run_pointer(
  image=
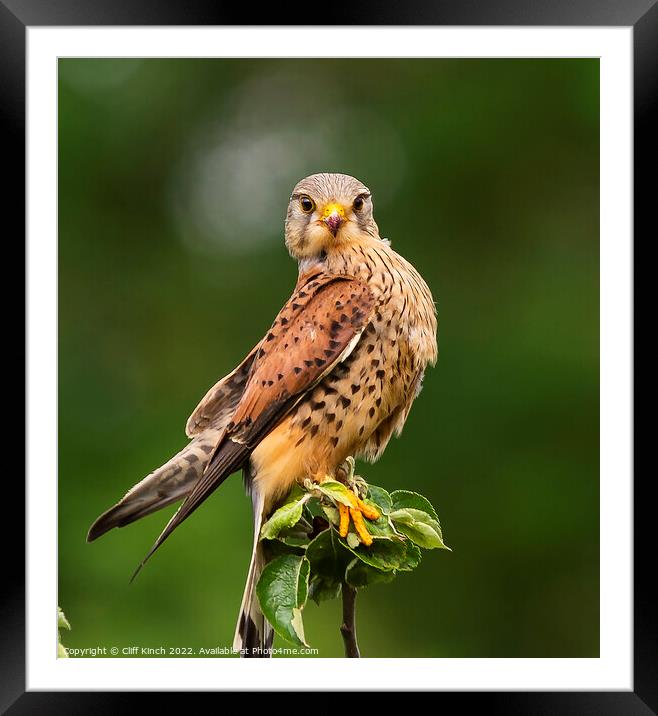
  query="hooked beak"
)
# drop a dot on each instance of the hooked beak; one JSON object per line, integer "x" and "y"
{"x": 333, "y": 216}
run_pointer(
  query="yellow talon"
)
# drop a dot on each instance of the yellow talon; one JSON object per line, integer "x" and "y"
{"x": 368, "y": 510}
{"x": 344, "y": 512}
{"x": 360, "y": 527}
{"x": 358, "y": 511}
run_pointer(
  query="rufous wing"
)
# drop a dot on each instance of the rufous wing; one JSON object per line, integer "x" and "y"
{"x": 316, "y": 330}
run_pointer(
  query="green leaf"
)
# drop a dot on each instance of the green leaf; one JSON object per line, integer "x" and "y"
{"x": 331, "y": 514}
{"x": 360, "y": 575}
{"x": 327, "y": 554}
{"x": 382, "y": 554}
{"x": 412, "y": 557}
{"x": 294, "y": 538}
{"x": 62, "y": 621}
{"x": 419, "y": 527}
{"x": 321, "y": 589}
{"x": 380, "y": 497}
{"x": 381, "y": 528}
{"x": 282, "y": 591}
{"x": 329, "y": 559}
{"x": 336, "y": 491}
{"x": 284, "y": 518}
{"x": 403, "y": 499}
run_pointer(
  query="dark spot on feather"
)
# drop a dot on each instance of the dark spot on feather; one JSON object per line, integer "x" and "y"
{"x": 306, "y": 422}
{"x": 284, "y": 321}
{"x": 370, "y": 348}
{"x": 371, "y": 412}
{"x": 334, "y": 344}
{"x": 355, "y": 389}
{"x": 320, "y": 362}
{"x": 279, "y": 376}
{"x": 334, "y": 441}
{"x": 331, "y": 417}
{"x": 380, "y": 374}
{"x": 301, "y": 440}
{"x": 345, "y": 401}
{"x": 295, "y": 306}
{"x": 318, "y": 405}
{"x": 339, "y": 425}
{"x": 314, "y": 430}
{"x": 270, "y": 337}
{"x": 297, "y": 370}
{"x": 191, "y": 458}
{"x": 378, "y": 402}
{"x": 261, "y": 353}
{"x": 374, "y": 362}
{"x": 328, "y": 353}
{"x": 308, "y": 363}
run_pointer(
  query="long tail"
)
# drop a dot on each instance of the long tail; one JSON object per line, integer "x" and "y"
{"x": 164, "y": 486}
{"x": 253, "y": 633}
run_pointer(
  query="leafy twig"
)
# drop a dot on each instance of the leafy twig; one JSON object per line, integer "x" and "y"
{"x": 348, "y": 627}
{"x": 308, "y": 557}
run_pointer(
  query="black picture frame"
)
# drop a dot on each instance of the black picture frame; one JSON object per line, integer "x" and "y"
{"x": 17, "y": 15}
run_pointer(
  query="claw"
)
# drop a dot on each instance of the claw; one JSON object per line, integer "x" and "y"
{"x": 344, "y": 513}
{"x": 357, "y": 512}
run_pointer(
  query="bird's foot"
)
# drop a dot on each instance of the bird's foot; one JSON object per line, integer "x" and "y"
{"x": 358, "y": 509}
{"x": 357, "y": 512}
{"x": 356, "y": 489}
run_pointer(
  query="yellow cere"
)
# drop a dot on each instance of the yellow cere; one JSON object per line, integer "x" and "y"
{"x": 329, "y": 209}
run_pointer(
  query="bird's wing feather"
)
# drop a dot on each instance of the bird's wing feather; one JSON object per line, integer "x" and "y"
{"x": 316, "y": 329}
{"x": 220, "y": 401}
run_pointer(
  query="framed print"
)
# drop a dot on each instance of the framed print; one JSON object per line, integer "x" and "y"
{"x": 270, "y": 220}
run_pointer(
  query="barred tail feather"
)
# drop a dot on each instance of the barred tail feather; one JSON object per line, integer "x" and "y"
{"x": 164, "y": 486}
{"x": 253, "y": 633}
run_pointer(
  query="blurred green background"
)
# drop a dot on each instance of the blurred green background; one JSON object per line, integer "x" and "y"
{"x": 174, "y": 180}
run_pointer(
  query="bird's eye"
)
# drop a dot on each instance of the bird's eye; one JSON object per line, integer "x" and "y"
{"x": 307, "y": 204}
{"x": 358, "y": 203}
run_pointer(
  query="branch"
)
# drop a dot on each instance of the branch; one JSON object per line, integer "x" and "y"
{"x": 348, "y": 627}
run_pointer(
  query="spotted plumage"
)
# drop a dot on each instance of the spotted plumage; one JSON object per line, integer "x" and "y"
{"x": 334, "y": 376}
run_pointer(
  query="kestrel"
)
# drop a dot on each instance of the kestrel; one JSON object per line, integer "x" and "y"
{"x": 334, "y": 376}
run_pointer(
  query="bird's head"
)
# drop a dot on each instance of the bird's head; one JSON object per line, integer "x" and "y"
{"x": 326, "y": 212}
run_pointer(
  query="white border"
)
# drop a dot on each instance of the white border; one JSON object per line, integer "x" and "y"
{"x": 613, "y": 670}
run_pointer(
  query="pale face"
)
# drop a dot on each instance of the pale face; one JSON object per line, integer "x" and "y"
{"x": 327, "y": 211}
